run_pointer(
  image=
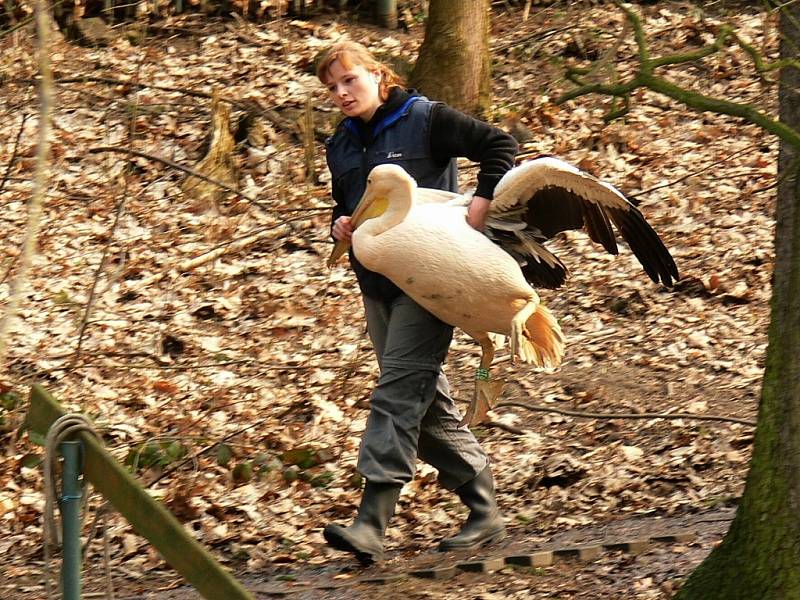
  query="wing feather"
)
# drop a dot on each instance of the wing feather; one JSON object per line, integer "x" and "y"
{"x": 541, "y": 268}
{"x": 645, "y": 244}
{"x": 597, "y": 225}
{"x": 552, "y": 196}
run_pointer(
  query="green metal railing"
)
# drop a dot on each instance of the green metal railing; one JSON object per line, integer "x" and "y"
{"x": 84, "y": 456}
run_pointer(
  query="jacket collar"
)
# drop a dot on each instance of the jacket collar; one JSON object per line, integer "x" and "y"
{"x": 396, "y": 106}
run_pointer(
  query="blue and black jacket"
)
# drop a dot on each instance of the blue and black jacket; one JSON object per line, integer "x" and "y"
{"x": 424, "y": 138}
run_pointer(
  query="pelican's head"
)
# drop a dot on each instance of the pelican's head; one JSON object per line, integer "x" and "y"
{"x": 388, "y": 180}
{"x": 387, "y": 186}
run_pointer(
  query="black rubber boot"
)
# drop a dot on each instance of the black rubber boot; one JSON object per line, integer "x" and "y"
{"x": 485, "y": 523}
{"x": 364, "y": 538}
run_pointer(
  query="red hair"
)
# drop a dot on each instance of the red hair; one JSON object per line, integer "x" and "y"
{"x": 351, "y": 54}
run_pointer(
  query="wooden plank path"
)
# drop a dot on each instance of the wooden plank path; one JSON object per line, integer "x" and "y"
{"x": 539, "y": 556}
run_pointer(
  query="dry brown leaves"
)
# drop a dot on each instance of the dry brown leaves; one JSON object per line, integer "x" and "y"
{"x": 264, "y": 348}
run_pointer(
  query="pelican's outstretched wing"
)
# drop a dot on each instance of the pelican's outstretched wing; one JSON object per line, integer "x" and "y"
{"x": 540, "y": 198}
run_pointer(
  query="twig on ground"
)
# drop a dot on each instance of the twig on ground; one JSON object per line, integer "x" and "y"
{"x": 134, "y": 84}
{"x": 505, "y": 427}
{"x": 303, "y": 209}
{"x": 603, "y": 415}
{"x": 11, "y": 264}
{"x": 207, "y": 257}
{"x": 13, "y": 152}
{"x": 106, "y": 248}
{"x": 100, "y": 268}
{"x": 750, "y": 148}
{"x": 156, "y": 359}
{"x": 15, "y": 27}
{"x": 179, "y": 167}
{"x": 538, "y": 37}
{"x": 162, "y": 364}
{"x": 213, "y": 445}
{"x": 285, "y": 125}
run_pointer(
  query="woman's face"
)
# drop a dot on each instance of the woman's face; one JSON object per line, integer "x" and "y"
{"x": 354, "y": 91}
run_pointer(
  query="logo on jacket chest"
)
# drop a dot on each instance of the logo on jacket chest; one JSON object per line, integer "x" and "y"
{"x": 391, "y": 154}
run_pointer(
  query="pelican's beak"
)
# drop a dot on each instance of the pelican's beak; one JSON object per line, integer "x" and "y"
{"x": 369, "y": 207}
{"x": 339, "y": 248}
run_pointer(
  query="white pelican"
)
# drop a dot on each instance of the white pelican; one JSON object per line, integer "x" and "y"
{"x": 420, "y": 239}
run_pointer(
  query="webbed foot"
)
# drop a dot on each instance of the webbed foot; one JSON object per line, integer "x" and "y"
{"x": 486, "y": 392}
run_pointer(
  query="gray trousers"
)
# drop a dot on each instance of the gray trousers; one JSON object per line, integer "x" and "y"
{"x": 411, "y": 411}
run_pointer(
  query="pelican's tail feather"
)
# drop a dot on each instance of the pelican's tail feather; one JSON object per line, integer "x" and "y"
{"x": 543, "y": 343}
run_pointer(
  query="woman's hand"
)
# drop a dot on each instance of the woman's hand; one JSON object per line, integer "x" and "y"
{"x": 342, "y": 229}
{"x": 476, "y": 214}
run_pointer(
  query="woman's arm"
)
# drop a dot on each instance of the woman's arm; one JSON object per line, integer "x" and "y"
{"x": 340, "y": 219}
{"x": 477, "y": 211}
{"x": 455, "y": 134}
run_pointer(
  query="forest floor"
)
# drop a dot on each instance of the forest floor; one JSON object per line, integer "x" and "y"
{"x": 251, "y": 372}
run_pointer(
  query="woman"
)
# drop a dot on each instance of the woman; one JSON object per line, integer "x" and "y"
{"x": 411, "y": 411}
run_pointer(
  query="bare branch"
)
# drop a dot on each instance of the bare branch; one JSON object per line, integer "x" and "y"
{"x": 10, "y": 267}
{"x": 638, "y": 33}
{"x": 285, "y": 125}
{"x": 134, "y": 84}
{"x": 676, "y": 59}
{"x": 618, "y": 111}
{"x": 606, "y": 89}
{"x": 100, "y": 268}
{"x": 505, "y": 427}
{"x": 106, "y": 249}
{"x": 211, "y": 446}
{"x": 40, "y": 176}
{"x": 537, "y": 36}
{"x": 758, "y": 60}
{"x": 647, "y": 79}
{"x": 211, "y": 255}
{"x": 723, "y": 107}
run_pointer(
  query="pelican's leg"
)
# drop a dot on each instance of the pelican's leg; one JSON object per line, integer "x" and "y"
{"x": 519, "y": 347}
{"x": 486, "y": 391}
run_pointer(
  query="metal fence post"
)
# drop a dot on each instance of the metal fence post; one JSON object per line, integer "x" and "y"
{"x": 71, "y": 520}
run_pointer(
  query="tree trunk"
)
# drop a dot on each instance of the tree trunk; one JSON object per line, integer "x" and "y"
{"x": 386, "y": 13}
{"x": 453, "y": 64}
{"x": 760, "y": 555}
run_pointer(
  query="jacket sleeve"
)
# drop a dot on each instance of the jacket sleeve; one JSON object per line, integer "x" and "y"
{"x": 454, "y": 134}
{"x": 338, "y": 197}
{"x": 339, "y": 208}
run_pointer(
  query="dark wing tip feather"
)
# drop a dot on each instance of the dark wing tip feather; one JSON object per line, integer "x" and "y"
{"x": 541, "y": 275}
{"x": 599, "y": 228}
{"x": 646, "y": 245}
{"x": 553, "y": 209}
